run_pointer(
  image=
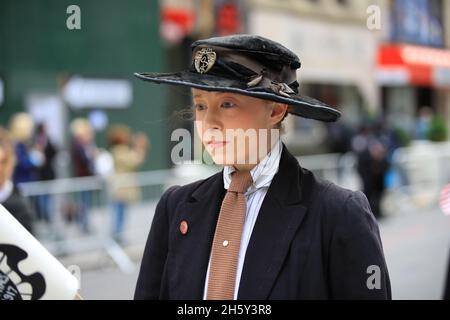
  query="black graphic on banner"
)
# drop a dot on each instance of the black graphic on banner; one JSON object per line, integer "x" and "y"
{"x": 14, "y": 284}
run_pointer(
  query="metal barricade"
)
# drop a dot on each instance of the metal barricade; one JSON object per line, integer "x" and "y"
{"x": 75, "y": 213}
{"x": 422, "y": 170}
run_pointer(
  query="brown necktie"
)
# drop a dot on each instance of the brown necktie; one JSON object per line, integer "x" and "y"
{"x": 227, "y": 238}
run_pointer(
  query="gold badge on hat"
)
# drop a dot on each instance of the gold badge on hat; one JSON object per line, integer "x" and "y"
{"x": 204, "y": 60}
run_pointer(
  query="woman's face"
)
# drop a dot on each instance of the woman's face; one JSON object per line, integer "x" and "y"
{"x": 235, "y": 129}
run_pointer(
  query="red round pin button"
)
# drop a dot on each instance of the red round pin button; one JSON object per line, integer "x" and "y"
{"x": 183, "y": 227}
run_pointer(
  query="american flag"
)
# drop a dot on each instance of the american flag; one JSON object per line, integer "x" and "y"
{"x": 444, "y": 200}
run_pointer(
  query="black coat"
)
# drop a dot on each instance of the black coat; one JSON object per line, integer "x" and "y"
{"x": 20, "y": 209}
{"x": 312, "y": 240}
{"x": 447, "y": 284}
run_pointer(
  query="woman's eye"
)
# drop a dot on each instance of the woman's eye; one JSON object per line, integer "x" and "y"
{"x": 228, "y": 104}
{"x": 199, "y": 107}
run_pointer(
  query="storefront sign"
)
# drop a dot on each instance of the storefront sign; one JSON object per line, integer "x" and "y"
{"x": 82, "y": 93}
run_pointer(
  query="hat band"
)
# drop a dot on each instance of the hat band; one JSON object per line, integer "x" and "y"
{"x": 227, "y": 63}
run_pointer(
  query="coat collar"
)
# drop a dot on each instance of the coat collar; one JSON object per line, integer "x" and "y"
{"x": 280, "y": 216}
{"x": 188, "y": 268}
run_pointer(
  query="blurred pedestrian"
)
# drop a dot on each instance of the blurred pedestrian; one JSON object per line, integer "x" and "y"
{"x": 372, "y": 165}
{"x": 423, "y": 121}
{"x": 83, "y": 153}
{"x": 46, "y": 172}
{"x": 128, "y": 153}
{"x": 10, "y": 197}
{"x": 339, "y": 136}
{"x": 28, "y": 158}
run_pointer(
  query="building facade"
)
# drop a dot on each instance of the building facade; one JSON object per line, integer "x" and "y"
{"x": 414, "y": 62}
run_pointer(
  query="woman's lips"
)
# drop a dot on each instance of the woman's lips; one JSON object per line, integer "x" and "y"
{"x": 216, "y": 144}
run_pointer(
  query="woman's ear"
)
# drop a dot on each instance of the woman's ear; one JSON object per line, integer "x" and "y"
{"x": 278, "y": 112}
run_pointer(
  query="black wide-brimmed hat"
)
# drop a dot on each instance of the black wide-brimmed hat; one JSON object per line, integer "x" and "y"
{"x": 249, "y": 65}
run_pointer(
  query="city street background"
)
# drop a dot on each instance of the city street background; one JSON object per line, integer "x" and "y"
{"x": 85, "y": 147}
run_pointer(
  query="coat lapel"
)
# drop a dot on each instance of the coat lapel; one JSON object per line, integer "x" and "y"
{"x": 191, "y": 251}
{"x": 278, "y": 220}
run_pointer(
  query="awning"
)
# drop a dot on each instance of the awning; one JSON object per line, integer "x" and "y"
{"x": 413, "y": 65}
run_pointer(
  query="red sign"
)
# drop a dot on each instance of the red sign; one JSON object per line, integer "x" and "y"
{"x": 419, "y": 63}
{"x": 176, "y": 23}
{"x": 444, "y": 200}
{"x": 228, "y": 19}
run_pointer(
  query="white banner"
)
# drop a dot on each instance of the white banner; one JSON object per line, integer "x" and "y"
{"x": 27, "y": 270}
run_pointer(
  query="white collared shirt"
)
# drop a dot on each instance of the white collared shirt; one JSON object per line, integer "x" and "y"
{"x": 262, "y": 175}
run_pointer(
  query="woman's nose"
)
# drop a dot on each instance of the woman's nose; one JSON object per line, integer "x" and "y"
{"x": 212, "y": 120}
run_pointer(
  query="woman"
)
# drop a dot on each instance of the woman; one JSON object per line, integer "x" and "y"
{"x": 83, "y": 153}
{"x": 46, "y": 172}
{"x": 28, "y": 158}
{"x": 264, "y": 229}
{"x": 127, "y": 158}
{"x": 10, "y": 196}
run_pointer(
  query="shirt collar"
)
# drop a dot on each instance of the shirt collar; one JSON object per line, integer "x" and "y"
{"x": 6, "y": 191}
{"x": 262, "y": 173}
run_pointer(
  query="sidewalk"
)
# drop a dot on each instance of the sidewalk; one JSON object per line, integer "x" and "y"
{"x": 417, "y": 247}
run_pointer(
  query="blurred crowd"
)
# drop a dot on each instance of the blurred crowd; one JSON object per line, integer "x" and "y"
{"x": 27, "y": 154}
{"x": 374, "y": 144}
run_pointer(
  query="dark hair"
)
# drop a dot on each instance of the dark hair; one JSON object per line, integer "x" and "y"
{"x": 118, "y": 134}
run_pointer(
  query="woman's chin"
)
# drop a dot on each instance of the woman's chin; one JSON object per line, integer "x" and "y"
{"x": 220, "y": 158}
{"x": 224, "y": 159}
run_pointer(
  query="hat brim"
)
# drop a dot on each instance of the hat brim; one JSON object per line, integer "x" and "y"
{"x": 302, "y": 106}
